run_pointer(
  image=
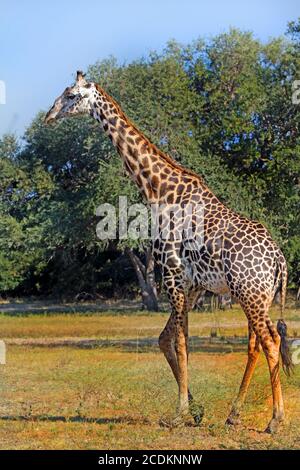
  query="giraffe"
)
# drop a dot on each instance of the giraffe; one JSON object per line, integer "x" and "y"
{"x": 236, "y": 255}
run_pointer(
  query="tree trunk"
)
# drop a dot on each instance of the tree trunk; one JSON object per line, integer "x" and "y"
{"x": 146, "y": 278}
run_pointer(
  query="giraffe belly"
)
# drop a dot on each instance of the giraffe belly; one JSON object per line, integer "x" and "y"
{"x": 214, "y": 282}
{"x": 217, "y": 286}
{"x": 211, "y": 279}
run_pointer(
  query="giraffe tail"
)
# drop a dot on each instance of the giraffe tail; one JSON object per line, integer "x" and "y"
{"x": 287, "y": 363}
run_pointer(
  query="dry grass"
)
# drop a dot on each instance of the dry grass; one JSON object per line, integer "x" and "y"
{"x": 112, "y": 325}
{"x": 112, "y": 399}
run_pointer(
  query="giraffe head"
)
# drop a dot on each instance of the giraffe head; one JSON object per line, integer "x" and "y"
{"x": 73, "y": 101}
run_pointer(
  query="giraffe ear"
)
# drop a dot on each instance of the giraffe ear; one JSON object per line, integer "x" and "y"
{"x": 80, "y": 78}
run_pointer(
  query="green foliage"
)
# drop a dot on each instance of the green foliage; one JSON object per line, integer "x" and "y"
{"x": 222, "y": 107}
{"x": 21, "y": 196}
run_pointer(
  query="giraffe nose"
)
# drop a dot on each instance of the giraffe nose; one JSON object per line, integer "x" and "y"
{"x": 50, "y": 117}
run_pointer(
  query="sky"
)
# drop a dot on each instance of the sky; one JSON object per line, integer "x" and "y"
{"x": 43, "y": 43}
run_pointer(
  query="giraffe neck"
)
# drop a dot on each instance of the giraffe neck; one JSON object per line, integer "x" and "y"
{"x": 156, "y": 174}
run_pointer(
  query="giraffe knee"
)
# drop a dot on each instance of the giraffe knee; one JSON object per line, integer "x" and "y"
{"x": 180, "y": 341}
{"x": 253, "y": 351}
{"x": 164, "y": 342}
{"x": 267, "y": 333}
{"x": 270, "y": 347}
{"x": 274, "y": 333}
{"x": 254, "y": 346}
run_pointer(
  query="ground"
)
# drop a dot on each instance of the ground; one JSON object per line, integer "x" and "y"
{"x": 97, "y": 380}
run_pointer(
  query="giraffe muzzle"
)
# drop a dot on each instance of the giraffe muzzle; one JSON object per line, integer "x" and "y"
{"x": 49, "y": 118}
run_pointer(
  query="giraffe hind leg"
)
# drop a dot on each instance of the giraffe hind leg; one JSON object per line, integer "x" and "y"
{"x": 270, "y": 342}
{"x": 253, "y": 354}
{"x": 269, "y": 339}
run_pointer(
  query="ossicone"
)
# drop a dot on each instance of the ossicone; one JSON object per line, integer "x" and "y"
{"x": 80, "y": 76}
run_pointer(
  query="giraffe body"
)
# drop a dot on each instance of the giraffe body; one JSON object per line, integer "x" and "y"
{"x": 235, "y": 254}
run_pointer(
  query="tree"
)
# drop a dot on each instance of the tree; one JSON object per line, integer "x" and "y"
{"x": 21, "y": 249}
{"x": 222, "y": 107}
{"x": 146, "y": 277}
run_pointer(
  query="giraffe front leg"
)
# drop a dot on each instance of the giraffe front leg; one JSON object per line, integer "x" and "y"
{"x": 180, "y": 308}
{"x": 196, "y": 409}
{"x": 177, "y": 357}
{"x": 172, "y": 343}
{"x": 167, "y": 346}
{"x": 182, "y": 360}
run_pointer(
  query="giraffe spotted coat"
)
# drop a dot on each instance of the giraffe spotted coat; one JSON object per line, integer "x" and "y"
{"x": 235, "y": 255}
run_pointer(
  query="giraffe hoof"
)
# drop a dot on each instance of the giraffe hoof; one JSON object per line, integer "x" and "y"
{"x": 179, "y": 421}
{"x": 165, "y": 423}
{"x": 197, "y": 412}
{"x": 176, "y": 422}
{"x": 233, "y": 420}
{"x": 182, "y": 420}
{"x": 273, "y": 426}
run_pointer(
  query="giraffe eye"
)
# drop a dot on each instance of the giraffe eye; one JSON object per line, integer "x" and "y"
{"x": 71, "y": 96}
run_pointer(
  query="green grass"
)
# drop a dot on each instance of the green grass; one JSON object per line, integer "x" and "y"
{"x": 108, "y": 398}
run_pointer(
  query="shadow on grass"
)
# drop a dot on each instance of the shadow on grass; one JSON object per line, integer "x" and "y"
{"x": 75, "y": 419}
{"x": 129, "y": 420}
{"x": 47, "y": 308}
{"x": 139, "y": 345}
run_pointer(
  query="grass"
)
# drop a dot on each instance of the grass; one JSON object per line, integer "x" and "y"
{"x": 108, "y": 398}
{"x": 114, "y": 325}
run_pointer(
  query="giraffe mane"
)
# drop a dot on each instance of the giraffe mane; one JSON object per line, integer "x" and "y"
{"x": 162, "y": 154}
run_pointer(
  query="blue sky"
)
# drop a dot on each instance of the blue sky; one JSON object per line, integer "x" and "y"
{"x": 43, "y": 43}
